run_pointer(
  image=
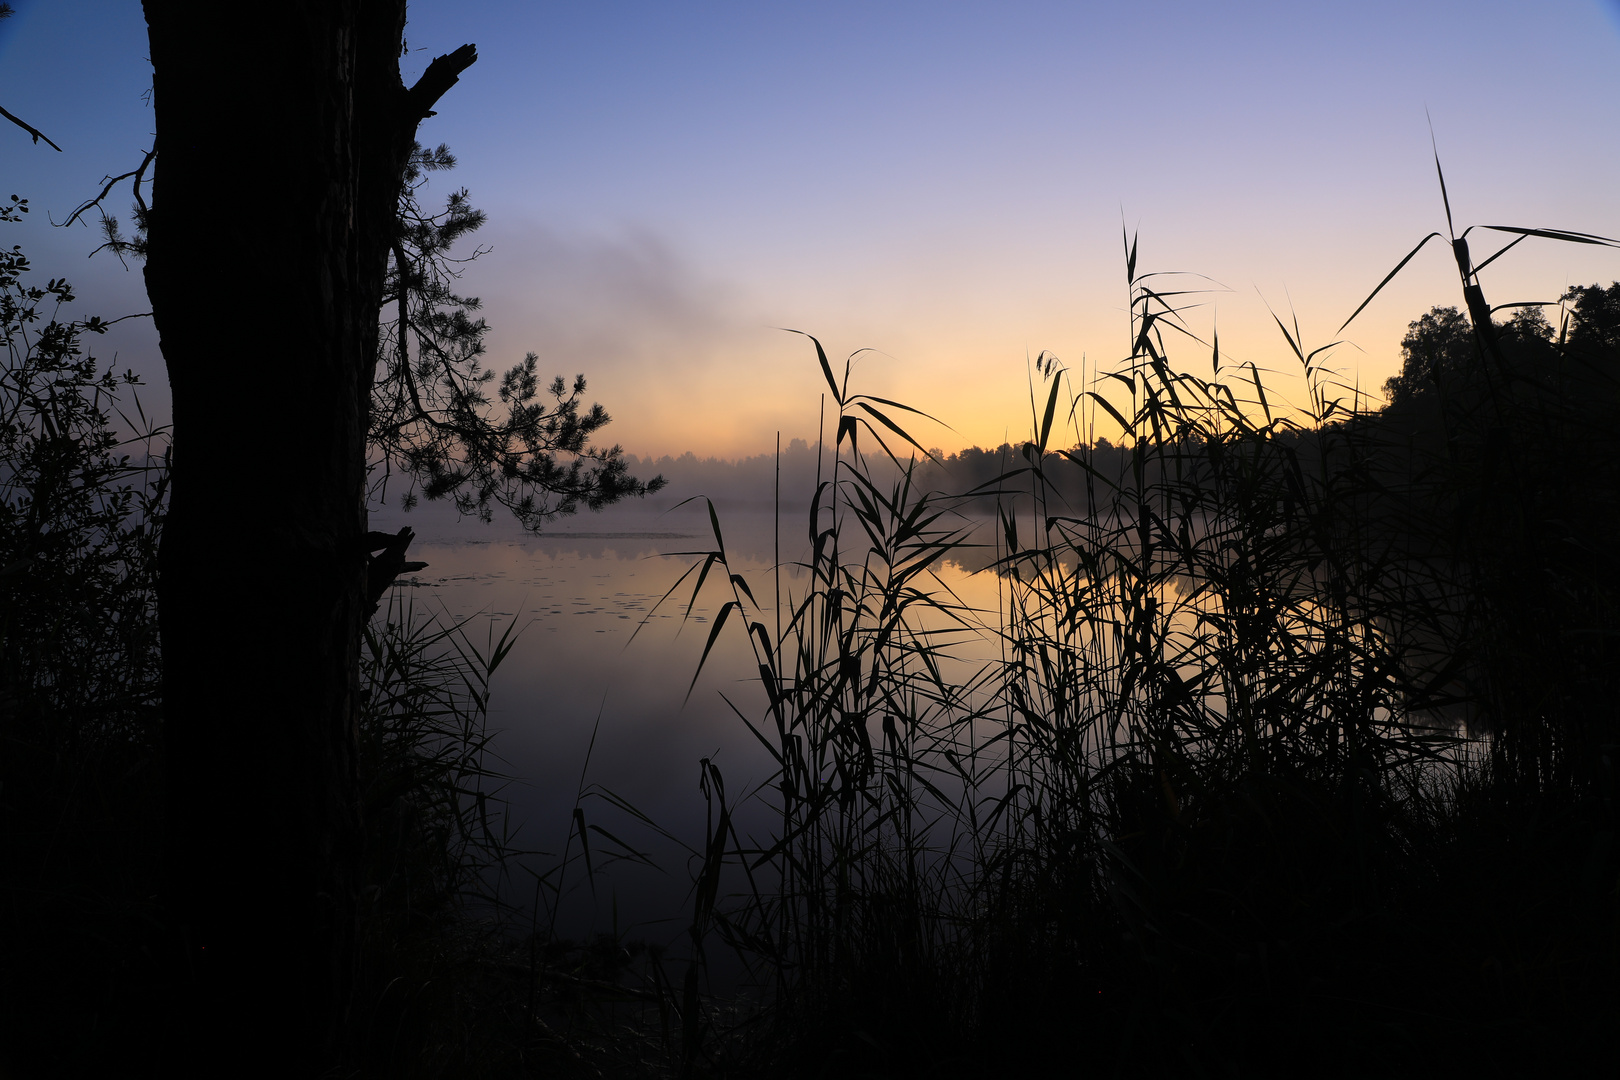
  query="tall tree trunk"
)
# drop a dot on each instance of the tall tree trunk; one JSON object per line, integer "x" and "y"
{"x": 280, "y": 151}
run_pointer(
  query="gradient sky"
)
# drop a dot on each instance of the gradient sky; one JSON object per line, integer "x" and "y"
{"x": 943, "y": 183}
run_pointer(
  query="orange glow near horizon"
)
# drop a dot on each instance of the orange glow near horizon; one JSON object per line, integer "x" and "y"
{"x": 943, "y": 184}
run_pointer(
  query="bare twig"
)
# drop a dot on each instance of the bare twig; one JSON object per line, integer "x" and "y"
{"x": 31, "y": 129}
{"x": 139, "y": 176}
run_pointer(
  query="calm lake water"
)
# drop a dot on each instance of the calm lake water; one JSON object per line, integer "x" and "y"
{"x": 578, "y": 595}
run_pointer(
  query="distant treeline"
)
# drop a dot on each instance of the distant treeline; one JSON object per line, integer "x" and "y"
{"x": 744, "y": 482}
{"x": 1532, "y": 369}
{"x": 982, "y": 475}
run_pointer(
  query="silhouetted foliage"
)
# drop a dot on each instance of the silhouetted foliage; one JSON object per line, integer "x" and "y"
{"x": 1440, "y": 350}
{"x": 82, "y": 494}
{"x": 1438, "y": 344}
{"x": 1594, "y": 319}
{"x": 79, "y": 520}
{"x": 431, "y": 413}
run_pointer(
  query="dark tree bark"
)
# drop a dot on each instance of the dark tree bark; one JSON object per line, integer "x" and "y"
{"x": 280, "y": 147}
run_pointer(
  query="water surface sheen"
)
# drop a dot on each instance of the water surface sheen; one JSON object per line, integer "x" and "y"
{"x": 596, "y": 653}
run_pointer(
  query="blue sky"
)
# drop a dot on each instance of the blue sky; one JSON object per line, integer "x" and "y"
{"x": 943, "y": 183}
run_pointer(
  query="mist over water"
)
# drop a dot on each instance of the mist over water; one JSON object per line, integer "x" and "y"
{"x": 594, "y": 656}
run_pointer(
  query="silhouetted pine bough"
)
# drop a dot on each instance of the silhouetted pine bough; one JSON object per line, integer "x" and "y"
{"x": 1293, "y": 753}
{"x": 430, "y": 412}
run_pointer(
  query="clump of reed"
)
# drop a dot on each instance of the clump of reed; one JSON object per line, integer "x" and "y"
{"x": 438, "y": 848}
{"x": 462, "y": 971}
{"x": 1197, "y": 797}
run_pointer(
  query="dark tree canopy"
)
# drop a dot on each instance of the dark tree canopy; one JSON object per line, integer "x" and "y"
{"x": 79, "y": 516}
{"x": 1440, "y": 350}
{"x": 1594, "y": 319}
{"x": 1436, "y": 344}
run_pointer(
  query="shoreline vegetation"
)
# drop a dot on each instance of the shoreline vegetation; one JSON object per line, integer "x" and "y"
{"x": 1297, "y": 757}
